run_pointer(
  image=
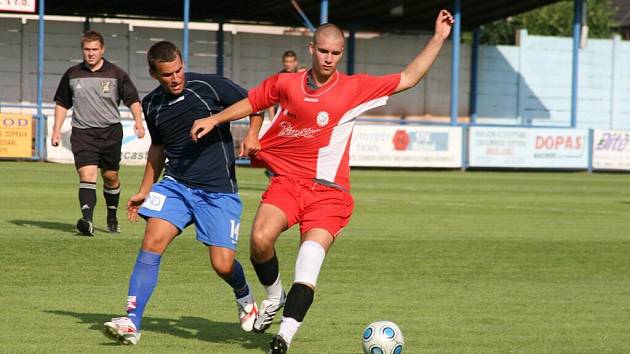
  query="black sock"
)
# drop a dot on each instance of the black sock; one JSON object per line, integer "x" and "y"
{"x": 112, "y": 196}
{"x": 87, "y": 199}
{"x": 299, "y": 300}
{"x": 267, "y": 272}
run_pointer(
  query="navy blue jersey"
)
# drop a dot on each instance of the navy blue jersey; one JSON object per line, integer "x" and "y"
{"x": 209, "y": 163}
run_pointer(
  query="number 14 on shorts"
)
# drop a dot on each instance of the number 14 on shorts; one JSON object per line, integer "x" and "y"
{"x": 234, "y": 226}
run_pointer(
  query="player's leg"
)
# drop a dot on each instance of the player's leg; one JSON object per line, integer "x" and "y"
{"x": 268, "y": 223}
{"x": 231, "y": 271}
{"x": 109, "y": 163}
{"x": 111, "y": 193}
{"x": 326, "y": 212}
{"x": 157, "y": 236}
{"x": 87, "y": 197}
{"x": 86, "y": 159}
{"x": 313, "y": 248}
{"x": 217, "y": 218}
{"x": 167, "y": 215}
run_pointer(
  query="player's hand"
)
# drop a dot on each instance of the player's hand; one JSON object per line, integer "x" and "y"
{"x": 201, "y": 127}
{"x": 133, "y": 205}
{"x": 138, "y": 128}
{"x": 443, "y": 24}
{"x": 55, "y": 139}
{"x": 249, "y": 146}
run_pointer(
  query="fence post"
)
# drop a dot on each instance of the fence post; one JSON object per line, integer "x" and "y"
{"x": 590, "y": 150}
{"x": 465, "y": 132}
{"x": 521, "y": 88}
{"x": 614, "y": 89}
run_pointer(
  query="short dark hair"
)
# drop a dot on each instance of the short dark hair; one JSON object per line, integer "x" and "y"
{"x": 92, "y": 36}
{"x": 289, "y": 54}
{"x": 162, "y": 52}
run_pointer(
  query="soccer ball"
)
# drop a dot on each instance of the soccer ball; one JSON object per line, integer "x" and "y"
{"x": 382, "y": 337}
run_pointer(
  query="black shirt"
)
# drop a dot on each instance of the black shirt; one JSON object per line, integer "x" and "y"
{"x": 209, "y": 163}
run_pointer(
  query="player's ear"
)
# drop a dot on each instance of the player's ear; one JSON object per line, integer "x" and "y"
{"x": 152, "y": 73}
{"x": 311, "y": 47}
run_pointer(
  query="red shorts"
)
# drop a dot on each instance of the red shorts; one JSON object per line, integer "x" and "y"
{"x": 310, "y": 204}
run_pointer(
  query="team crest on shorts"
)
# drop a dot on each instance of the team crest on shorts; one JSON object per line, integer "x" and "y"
{"x": 322, "y": 118}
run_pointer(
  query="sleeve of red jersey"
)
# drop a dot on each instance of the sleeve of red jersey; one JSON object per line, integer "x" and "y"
{"x": 265, "y": 94}
{"x": 373, "y": 87}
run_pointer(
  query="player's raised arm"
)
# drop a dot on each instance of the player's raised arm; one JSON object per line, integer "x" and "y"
{"x": 201, "y": 127}
{"x": 420, "y": 65}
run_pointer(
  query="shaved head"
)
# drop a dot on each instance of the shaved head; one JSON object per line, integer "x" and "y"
{"x": 326, "y": 49}
{"x": 329, "y": 31}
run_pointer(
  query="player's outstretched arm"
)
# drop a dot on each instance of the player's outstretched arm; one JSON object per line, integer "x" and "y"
{"x": 250, "y": 144}
{"x": 420, "y": 65}
{"x": 152, "y": 171}
{"x": 236, "y": 111}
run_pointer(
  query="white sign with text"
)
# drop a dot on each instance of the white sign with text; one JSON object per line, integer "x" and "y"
{"x": 406, "y": 146}
{"x": 528, "y": 147}
{"x": 27, "y": 6}
{"x": 611, "y": 150}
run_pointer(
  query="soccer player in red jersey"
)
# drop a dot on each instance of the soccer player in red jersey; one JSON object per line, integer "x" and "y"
{"x": 306, "y": 147}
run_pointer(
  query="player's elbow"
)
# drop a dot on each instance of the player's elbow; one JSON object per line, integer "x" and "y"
{"x": 405, "y": 82}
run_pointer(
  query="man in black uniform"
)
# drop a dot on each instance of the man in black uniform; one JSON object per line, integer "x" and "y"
{"x": 94, "y": 88}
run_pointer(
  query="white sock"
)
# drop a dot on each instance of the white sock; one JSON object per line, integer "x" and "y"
{"x": 288, "y": 328}
{"x": 274, "y": 291}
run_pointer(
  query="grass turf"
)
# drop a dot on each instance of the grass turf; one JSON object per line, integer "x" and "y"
{"x": 475, "y": 262}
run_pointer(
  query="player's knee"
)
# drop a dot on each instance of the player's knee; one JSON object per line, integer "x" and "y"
{"x": 110, "y": 179}
{"x": 261, "y": 244}
{"x": 154, "y": 243}
{"x": 223, "y": 269}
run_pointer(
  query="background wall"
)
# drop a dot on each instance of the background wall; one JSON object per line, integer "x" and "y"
{"x": 529, "y": 84}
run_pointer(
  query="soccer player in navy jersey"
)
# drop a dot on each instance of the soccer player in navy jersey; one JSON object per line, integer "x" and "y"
{"x": 198, "y": 187}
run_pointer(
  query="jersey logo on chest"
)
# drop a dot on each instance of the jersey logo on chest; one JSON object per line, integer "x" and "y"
{"x": 288, "y": 130}
{"x": 322, "y": 118}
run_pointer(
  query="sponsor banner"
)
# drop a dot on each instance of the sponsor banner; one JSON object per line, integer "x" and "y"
{"x": 611, "y": 149}
{"x": 134, "y": 150}
{"x": 528, "y": 147}
{"x": 16, "y": 135}
{"x": 17, "y": 6}
{"x": 406, "y": 146}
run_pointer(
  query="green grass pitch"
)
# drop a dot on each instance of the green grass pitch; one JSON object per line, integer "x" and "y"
{"x": 464, "y": 262}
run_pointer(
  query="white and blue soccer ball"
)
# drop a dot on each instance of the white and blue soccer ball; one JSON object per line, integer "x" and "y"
{"x": 382, "y": 337}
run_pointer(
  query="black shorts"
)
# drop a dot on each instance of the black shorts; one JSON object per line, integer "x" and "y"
{"x": 97, "y": 146}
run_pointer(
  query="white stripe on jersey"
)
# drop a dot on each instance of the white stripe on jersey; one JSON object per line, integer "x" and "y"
{"x": 329, "y": 157}
{"x": 225, "y": 155}
{"x": 211, "y": 88}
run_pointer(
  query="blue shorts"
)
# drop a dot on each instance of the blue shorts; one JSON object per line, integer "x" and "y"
{"x": 217, "y": 216}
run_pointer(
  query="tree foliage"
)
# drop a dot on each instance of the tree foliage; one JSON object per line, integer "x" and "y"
{"x": 551, "y": 20}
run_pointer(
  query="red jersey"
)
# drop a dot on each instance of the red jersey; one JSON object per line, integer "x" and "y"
{"x": 310, "y": 136}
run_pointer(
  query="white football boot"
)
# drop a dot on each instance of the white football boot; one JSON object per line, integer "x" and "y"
{"x": 122, "y": 330}
{"x": 268, "y": 310}
{"x": 247, "y": 311}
